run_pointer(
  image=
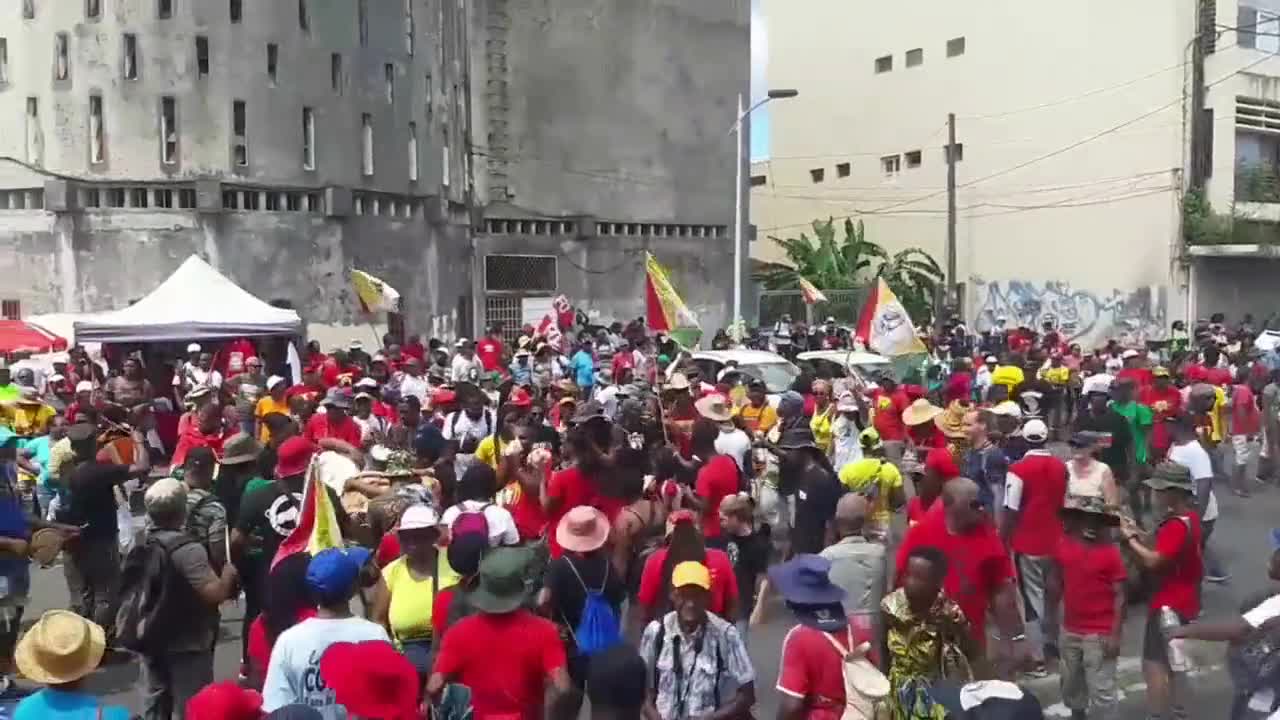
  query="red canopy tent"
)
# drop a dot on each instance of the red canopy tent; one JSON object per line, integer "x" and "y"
{"x": 16, "y": 335}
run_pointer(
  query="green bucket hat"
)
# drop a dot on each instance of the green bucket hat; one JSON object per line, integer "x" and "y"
{"x": 502, "y": 574}
{"x": 1171, "y": 476}
{"x": 1091, "y": 505}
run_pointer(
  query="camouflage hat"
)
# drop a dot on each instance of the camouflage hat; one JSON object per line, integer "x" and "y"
{"x": 1171, "y": 476}
{"x": 1091, "y": 504}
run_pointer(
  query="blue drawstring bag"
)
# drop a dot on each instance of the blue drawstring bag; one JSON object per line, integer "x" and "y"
{"x": 598, "y": 628}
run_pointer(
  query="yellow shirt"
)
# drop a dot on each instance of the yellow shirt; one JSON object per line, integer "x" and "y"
{"x": 489, "y": 451}
{"x": 267, "y": 405}
{"x": 32, "y": 419}
{"x": 759, "y": 420}
{"x": 412, "y": 599}
{"x": 821, "y": 427}
{"x": 1057, "y": 375}
{"x": 873, "y": 476}
{"x": 1009, "y": 376}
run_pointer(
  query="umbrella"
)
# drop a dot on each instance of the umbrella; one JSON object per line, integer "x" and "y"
{"x": 16, "y": 335}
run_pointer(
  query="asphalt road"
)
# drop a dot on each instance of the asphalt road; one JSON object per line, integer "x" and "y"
{"x": 1241, "y": 539}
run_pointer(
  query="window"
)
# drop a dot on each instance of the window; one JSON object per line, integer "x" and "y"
{"x": 60, "y": 61}
{"x": 884, "y": 64}
{"x": 130, "y": 56}
{"x": 413, "y": 152}
{"x": 335, "y": 72}
{"x": 759, "y": 180}
{"x": 251, "y": 200}
{"x": 366, "y": 144}
{"x": 164, "y": 9}
{"x": 202, "y": 55}
{"x": 138, "y": 198}
{"x": 11, "y": 309}
{"x": 4, "y": 61}
{"x": 293, "y": 202}
{"x": 237, "y": 11}
{"x": 33, "y": 130}
{"x": 955, "y": 46}
{"x": 915, "y": 57}
{"x": 408, "y": 27}
{"x": 431, "y": 103}
{"x": 239, "y": 141}
{"x": 273, "y": 57}
{"x": 1258, "y": 29}
{"x": 187, "y": 199}
{"x": 362, "y": 21}
{"x": 843, "y": 170}
{"x": 168, "y": 130}
{"x": 96, "y": 131}
{"x": 913, "y": 158}
{"x": 817, "y": 174}
{"x": 304, "y": 17}
{"x": 29, "y": 9}
{"x": 389, "y": 79}
{"x": 308, "y": 139}
{"x": 164, "y": 198}
{"x": 890, "y": 164}
{"x": 230, "y": 199}
{"x": 444, "y": 165}
{"x": 90, "y": 198}
{"x": 93, "y": 9}
{"x": 946, "y": 154}
{"x": 273, "y": 201}
{"x": 115, "y": 197}
{"x": 313, "y": 202}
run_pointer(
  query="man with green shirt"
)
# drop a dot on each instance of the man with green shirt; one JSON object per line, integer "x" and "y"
{"x": 1140, "y": 419}
{"x": 9, "y": 390}
{"x": 237, "y": 477}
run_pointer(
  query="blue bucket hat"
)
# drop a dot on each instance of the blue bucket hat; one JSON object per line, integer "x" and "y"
{"x": 332, "y": 573}
{"x": 805, "y": 583}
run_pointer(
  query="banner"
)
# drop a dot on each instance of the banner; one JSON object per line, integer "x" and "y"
{"x": 884, "y": 325}
{"x": 375, "y": 296}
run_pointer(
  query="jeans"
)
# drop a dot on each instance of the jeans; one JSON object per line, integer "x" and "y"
{"x": 1088, "y": 676}
{"x": 172, "y": 680}
{"x": 92, "y": 570}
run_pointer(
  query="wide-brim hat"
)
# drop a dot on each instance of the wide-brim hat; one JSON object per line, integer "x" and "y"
{"x": 582, "y": 529}
{"x": 501, "y": 587}
{"x": 1171, "y": 476}
{"x": 951, "y": 420}
{"x": 60, "y": 648}
{"x": 827, "y": 618}
{"x": 294, "y": 457}
{"x": 678, "y": 381}
{"x": 384, "y": 686}
{"x": 336, "y": 397}
{"x": 714, "y": 407}
{"x": 920, "y": 412}
{"x": 805, "y": 580}
{"x": 797, "y": 438}
{"x": 45, "y": 545}
{"x": 241, "y": 448}
{"x": 1091, "y": 505}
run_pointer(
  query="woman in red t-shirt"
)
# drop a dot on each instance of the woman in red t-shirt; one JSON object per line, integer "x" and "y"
{"x": 685, "y": 543}
{"x": 288, "y": 602}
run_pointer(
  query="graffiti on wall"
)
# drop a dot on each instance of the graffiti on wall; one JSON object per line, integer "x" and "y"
{"x": 1084, "y": 315}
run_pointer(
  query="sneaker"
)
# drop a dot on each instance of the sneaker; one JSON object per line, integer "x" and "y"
{"x": 1218, "y": 579}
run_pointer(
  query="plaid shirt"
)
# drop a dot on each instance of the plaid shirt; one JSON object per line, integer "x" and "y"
{"x": 713, "y": 664}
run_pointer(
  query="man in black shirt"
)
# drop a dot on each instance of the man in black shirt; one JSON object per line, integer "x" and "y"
{"x": 805, "y": 470}
{"x": 92, "y": 560}
{"x": 1112, "y": 431}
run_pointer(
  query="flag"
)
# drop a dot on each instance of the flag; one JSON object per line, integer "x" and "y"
{"x": 549, "y": 330}
{"x": 884, "y": 325}
{"x": 664, "y": 310}
{"x": 374, "y": 295}
{"x": 811, "y": 294}
{"x": 317, "y": 523}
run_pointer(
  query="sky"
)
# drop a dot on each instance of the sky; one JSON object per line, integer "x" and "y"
{"x": 759, "y": 58}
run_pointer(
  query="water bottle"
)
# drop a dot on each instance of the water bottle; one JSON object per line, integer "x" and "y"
{"x": 1178, "y": 660}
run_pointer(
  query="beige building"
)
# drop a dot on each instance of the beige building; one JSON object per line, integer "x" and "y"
{"x": 1070, "y": 127}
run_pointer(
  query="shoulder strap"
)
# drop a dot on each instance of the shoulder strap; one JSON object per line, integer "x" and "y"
{"x": 658, "y": 642}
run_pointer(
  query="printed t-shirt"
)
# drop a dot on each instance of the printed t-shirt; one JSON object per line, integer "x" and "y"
{"x": 1164, "y": 404}
{"x": 977, "y": 564}
{"x": 511, "y": 683}
{"x": 293, "y": 674}
{"x": 877, "y": 479}
{"x": 811, "y": 669}
{"x": 490, "y": 353}
{"x": 1090, "y": 571}
{"x": 717, "y": 480}
{"x": 887, "y": 415}
{"x": 724, "y": 584}
{"x": 1179, "y": 585}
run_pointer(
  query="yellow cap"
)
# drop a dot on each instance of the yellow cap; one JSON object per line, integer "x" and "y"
{"x": 691, "y": 573}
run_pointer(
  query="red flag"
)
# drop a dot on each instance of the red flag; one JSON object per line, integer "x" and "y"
{"x": 867, "y": 315}
{"x": 317, "y": 527}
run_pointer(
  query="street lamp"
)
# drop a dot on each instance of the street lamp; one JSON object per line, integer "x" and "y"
{"x": 739, "y": 211}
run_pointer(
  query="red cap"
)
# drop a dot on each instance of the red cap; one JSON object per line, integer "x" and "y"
{"x": 443, "y": 397}
{"x": 385, "y": 686}
{"x": 520, "y": 398}
{"x": 294, "y": 456}
{"x": 940, "y": 461}
{"x": 225, "y": 701}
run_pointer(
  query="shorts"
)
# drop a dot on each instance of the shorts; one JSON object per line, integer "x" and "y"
{"x": 1155, "y": 647}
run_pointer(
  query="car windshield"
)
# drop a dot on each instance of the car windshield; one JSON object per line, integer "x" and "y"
{"x": 777, "y": 376}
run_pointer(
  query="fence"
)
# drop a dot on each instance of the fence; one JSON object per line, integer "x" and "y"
{"x": 843, "y": 305}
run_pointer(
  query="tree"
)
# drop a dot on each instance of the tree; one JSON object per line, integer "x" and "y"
{"x": 853, "y": 262}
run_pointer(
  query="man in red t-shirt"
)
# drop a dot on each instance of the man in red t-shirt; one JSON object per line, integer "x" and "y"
{"x": 1135, "y": 367}
{"x": 1165, "y": 402}
{"x": 718, "y": 477}
{"x": 1177, "y": 560}
{"x": 490, "y": 349}
{"x": 511, "y": 683}
{"x": 980, "y": 575}
{"x": 335, "y": 422}
{"x": 888, "y": 403}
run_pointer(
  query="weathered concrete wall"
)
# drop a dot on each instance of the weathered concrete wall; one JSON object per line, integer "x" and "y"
{"x": 1236, "y": 286}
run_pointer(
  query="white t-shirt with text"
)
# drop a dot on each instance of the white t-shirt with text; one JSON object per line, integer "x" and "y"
{"x": 293, "y": 674}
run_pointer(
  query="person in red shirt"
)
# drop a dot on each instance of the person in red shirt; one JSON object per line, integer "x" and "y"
{"x": 1034, "y": 489}
{"x": 464, "y": 554}
{"x": 1165, "y": 402}
{"x": 490, "y": 349}
{"x": 1135, "y": 368}
{"x": 313, "y": 358}
{"x": 335, "y": 422}
{"x": 939, "y": 467}
{"x": 980, "y": 574}
{"x": 505, "y": 654}
{"x": 959, "y": 385}
{"x": 718, "y": 477}
{"x": 288, "y": 603}
{"x": 205, "y": 431}
{"x": 1176, "y": 559}
{"x": 311, "y": 389}
{"x": 685, "y": 543}
{"x": 1245, "y": 429}
{"x": 339, "y": 371}
{"x": 887, "y": 405}
{"x": 922, "y": 432}
{"x": 579, "y": 484}
{"x": 1087, "y": 576}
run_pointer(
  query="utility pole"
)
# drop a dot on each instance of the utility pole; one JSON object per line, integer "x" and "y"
{"x": 951, "y": 300}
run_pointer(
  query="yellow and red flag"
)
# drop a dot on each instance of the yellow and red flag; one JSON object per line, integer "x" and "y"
{"x": 374, "y": 294}
{"x": 665, "y": 312}
{"x": 885, "y": 326}
{"x": 317, "y": 524}
{"x": 811, "y": 294}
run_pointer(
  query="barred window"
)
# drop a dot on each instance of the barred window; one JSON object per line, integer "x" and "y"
{"x": 520, "y": 273}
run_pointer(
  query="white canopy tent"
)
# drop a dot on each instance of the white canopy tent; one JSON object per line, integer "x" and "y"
{"x": 196, "y": 302}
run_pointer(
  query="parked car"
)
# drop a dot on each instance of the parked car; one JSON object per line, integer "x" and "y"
{"x": 776, "y": 371}
{"x": 843, "y": 363}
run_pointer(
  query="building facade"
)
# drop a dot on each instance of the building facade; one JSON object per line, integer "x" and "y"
{"x": 289, "y": 142}
{"x": 1074, "y": 146}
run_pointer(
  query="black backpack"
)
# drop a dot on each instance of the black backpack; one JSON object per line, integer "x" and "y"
{"x": 155, "y": 599}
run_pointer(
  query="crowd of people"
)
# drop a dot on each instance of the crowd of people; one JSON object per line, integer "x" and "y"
{"x": 526, "y": 528}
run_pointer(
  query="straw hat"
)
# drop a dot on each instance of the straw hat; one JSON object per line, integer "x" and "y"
{"x": 920, "y": 412}
{"x": 61, "y": 647}
{"x": 45, "y": 545}
{"x": 714, "y": 407}
{"x": 951, "y": 421}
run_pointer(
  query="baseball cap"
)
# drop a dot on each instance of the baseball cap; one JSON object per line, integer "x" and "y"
{"x": 367, "y": 382}
{"x": 691, "y": 573}
{"x": 1034, "y": 430}
{"x": 193, "y": 347}
{"x": 332, "y": 573}
{"x": 461, "y": 343}
{"x": 418, "y": 517}
{"x": 1130, "y": 353}
{"x": 1008, "y": 408}
{"x": 273, "y": 381}
{"x": 84, "y": 386}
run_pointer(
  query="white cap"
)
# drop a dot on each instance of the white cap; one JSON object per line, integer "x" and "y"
{"x": 462, "y": 342}
{"x": 993, "y": 359}
{"x": 84, "y": 386}
{"x": 1130, "y": 353}
{"x": 1008, "y": 408}
{"x": 56, "y": 377}
{"x": 355, "y": 345}
{"x": 193, "y": 347}
{"x": 366, "y": 383}
{"x": 418, "y": 517}
{"x": 273, "y": 381}
{"x": 1034, "y": 430}
{"x": 1097, "y": 384}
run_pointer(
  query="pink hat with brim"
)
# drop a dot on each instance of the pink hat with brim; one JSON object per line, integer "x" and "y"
{"x": 582, "y": 530}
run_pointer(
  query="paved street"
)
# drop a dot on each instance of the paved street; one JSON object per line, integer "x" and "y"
{"x": 1241, "y": 539}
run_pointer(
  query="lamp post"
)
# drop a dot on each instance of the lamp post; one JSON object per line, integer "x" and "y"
{"x": 739, "y": 209}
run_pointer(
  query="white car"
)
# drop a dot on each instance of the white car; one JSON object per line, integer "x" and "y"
{"x": 776, "y": 371}
{"x": 843, "y": 363}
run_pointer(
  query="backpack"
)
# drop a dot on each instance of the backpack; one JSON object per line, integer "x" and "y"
{"x": 471, "y": 521}
{"x": 865, "y": 687}
{"x": 155, "y": 599}
{"x": 598, "y": 628}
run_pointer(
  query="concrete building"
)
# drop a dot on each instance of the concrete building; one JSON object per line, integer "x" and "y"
{"x": 1074, "y": 126}
{"x": 420, "y": 140}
